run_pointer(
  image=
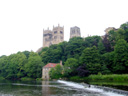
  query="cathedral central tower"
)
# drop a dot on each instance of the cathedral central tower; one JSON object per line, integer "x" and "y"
{"x": 75, "y": 32}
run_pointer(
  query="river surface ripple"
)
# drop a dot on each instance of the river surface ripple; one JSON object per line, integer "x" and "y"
{"x": 56, "y": 88}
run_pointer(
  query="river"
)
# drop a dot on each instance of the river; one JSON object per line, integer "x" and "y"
{"x": 56, "y": 88}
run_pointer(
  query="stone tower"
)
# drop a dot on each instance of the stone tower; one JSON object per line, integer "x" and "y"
{"x": 54, "y": 36}
{"x": 47, "y": 38}
{"x": 109, "y": 29}
{"x": 58, "y": 34}
{"x": 75, "y": 32}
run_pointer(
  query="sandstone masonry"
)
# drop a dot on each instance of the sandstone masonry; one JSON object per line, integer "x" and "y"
{"x": 54, "y": 36}
{"x": 75, "y": 32}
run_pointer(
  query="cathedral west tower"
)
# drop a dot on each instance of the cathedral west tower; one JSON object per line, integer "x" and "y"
{"x": 54, "y": 36}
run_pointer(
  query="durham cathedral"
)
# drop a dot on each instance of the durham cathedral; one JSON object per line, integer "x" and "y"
{"x": 56, "y": 35}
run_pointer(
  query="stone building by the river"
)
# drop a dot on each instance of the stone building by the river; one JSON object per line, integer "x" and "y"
{"x": 47, "y": 68}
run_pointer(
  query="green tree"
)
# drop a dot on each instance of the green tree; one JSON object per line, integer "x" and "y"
{"x": 21, "y": 60}
{"x": 120, "y": 34}
{"x": 74, "y": 47}
{"x": 107, "y": 61}
{"x": 26, "y": 53}
{"x": 56, "y": 73}
{"x": 106, "y": 43}
{"x": 125, "y": 27}
{"x": 92, "y": 41}
{"x": 62, "y": 46}
{"x": 3, "y": 63}
{"x": 70, "y": 66}
{"x": 91, "y": 58}
{"x": 33, "y": 67}
{"x": 115, "y": 35}
{"x": 121, "y": 57}
{"x": 14, "y": 67}
{"x": 43, "y": 50}
{"x": 112, "y": 36}
{"x": 52, "y": 54}
{"x": 101, "y": 47}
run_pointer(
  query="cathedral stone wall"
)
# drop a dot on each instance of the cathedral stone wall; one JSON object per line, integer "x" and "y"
{"x": 75, "y": 32}
{"x": 47, "y": 38}
{"x": 54, "y": 36}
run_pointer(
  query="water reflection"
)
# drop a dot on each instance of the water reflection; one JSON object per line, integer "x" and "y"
{"x": 19, "y": 88}
{"x": 45, "y": 88}
{"x": 51, "y": 88}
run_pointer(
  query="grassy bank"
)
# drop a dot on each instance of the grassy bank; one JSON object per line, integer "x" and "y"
{"x": 109, "y": 83}
{"x": 22, "y": 79}
{"x": 112, "y": 77}
{"x": 2, "y": 78}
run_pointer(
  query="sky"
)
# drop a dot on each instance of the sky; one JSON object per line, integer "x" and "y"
{"x": 22, "y": 21}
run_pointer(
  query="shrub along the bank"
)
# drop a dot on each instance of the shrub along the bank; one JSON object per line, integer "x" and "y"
{"x": 77, "y": 78}
{"x": 113, "y": 77}
{"x": 2, "y": 78}
{"x": 26, "y": 79}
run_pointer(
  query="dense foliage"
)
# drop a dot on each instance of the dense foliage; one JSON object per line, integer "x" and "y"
{"x": 21, "y": 65}
{"x": 94, "y": 54}
{"x": 81, "y": 56}
{"x": 56, "y": 73}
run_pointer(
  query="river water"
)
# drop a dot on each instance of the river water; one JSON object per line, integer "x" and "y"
{"x": 56, "y": 88}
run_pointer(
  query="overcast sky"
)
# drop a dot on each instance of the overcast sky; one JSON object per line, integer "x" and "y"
{"x": 22, "y": 21}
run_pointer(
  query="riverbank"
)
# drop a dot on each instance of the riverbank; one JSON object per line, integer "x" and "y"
{"x": 112, "y": 77}
{"x": 22, "y": 79}
{"x": 99, "y": 77}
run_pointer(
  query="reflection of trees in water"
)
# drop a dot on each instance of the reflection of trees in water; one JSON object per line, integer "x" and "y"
{"x": 10, "y": 88}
